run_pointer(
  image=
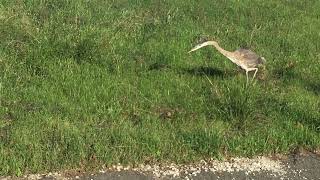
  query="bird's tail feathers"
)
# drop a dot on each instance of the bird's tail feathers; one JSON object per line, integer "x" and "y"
{"x": 263, "y": 60}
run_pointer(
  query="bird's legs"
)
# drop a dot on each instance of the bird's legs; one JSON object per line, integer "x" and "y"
{"x": 247, "y": 77}
{"x": 254, "y": 75}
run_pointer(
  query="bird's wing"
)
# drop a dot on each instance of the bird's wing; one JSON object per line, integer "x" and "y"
{"x": 247, "y": 54}
{"x": 248, "y": 57}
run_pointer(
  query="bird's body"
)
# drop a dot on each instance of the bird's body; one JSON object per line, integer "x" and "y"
{"x": 246, "y": 59}
{"x": 249, "y": 58}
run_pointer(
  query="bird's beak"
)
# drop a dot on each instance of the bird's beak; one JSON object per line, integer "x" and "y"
{"x": 193, "y": 49}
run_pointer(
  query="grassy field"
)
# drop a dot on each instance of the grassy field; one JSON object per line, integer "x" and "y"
{"x": 91, "y": 83}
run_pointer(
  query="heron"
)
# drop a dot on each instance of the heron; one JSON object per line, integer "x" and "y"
{"x": 245, "y": 58}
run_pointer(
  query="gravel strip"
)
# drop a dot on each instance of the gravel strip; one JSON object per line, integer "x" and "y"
{"x": 292, "y": 167}
{"x": 247, "y": 165}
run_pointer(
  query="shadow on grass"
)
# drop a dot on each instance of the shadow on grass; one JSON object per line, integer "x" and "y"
{"x": 313, "y": 87}
{"x": 297, "y": 113}
{"x": 304, "y": 117}
{"x": 208, "y": 71}
{"x": 158, "y": 66}
{"x": 287, "y": 73}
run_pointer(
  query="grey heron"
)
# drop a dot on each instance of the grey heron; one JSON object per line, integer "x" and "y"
{"x": 246, "y": 59}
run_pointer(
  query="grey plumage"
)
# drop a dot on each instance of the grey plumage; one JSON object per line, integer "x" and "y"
{"x": 252, "y": 59}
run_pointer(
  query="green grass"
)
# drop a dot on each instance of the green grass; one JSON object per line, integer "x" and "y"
{"x": 91, "y": 83}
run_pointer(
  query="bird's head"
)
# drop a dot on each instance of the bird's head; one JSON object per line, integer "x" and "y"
{"x": 207, "y": 43}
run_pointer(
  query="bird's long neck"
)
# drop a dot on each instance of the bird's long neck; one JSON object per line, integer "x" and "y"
{"x": 221, "y": 50}
{"x": 228, "y": 54}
